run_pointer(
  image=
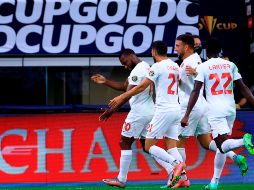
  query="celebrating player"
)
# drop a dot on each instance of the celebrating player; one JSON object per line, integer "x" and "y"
{"x": 198, "y": 123}
{"x": 142, "y": 109}
{"x": 164, "y": 74}
{"x": 218, "y": 76}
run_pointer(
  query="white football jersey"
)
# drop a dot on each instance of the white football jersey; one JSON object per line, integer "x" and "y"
{"x": 165, "y": 76}
{"x": 141, "y": 104}
{"x": 187, "y": 82}
{"x": 218, "y": 75}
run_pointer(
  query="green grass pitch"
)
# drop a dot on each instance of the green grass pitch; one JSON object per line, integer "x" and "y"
{"x": 129, "y": 187}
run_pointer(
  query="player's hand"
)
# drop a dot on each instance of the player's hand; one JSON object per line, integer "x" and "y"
{"x": 237, "y": 106}
{"x": 106, "y": 115}
{"x": 184, "y": 121}
{"x": 99, "y": 79}
{"x": 116, "y": 102}
{"x": 190, "y": 71}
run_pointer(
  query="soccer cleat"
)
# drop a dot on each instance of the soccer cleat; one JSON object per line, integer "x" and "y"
{"x": 170, "y": 178}
{"x": 248, "y": 143}
{"x": 177, "y": 174}
{"x": 242, "y": 164}
{"x": 181, "y": 183}
{"x": 211, "y": 186}
{"x": 114, "y": 182}
{"x": 179, "y": 169}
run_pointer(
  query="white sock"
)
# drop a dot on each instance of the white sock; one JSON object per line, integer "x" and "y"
{"x": 213, "y": 147}
{"x": 219, "y": 161}
{"x": 125, "y": 162}
{"x": 174, "y": 152}
{"x": 160, "y": 153}
{"x": 182, "y": 153}
{"x": 231, "y": 144}
{"x": 231, "y": 155}
{"x": 167, "y": 166}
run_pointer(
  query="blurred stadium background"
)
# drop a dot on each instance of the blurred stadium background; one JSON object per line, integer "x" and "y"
{"x": 50, "y": 135}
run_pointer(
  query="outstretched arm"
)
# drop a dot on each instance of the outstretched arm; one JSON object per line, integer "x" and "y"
{"x": 100, "y": 79}
{"x": 192, "y": 101}
{"x": 127, "y": 95}
{"x": 245, "y": 91}
{"x": 109, "y": 111}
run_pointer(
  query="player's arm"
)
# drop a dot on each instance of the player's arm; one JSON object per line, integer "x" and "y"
{"x": 109, "y": 111}
{"x": 127, "y": 95}
{"x": 245, "y": 91}
{"x": 100, "y": 79}
{"x": 192, "y": 101}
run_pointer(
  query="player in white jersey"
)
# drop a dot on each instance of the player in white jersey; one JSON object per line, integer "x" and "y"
{"x": 218, "y": 76}
{"x": 141, "y": 113}
{"x": 198, "y": 123}
{"x": 164, "y": 74}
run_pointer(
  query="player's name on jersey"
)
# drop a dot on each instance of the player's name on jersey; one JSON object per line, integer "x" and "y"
{"x": 172, "y": 68}
{"x": 219, "y": 66}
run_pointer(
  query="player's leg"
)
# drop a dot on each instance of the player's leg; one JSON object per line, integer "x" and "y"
{"x": 185, "y": 133}
{"x": 131, "y": 130}
{"x": 157, "y": 130}
{"x": 125, "y": 161}
{"x": 171, "y": 140}
{"x": 206, "y": 142}
{"x": 230, "y": 144}
{"x": 181, "y": 147}
{"x": 126, "y": 157}
{"x": 172, "y": 149}
{"x": 221, "y": 128}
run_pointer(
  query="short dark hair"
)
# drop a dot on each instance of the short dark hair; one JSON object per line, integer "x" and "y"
{"x": 126, "y": 52}
{"x": 160, "y": 47}
{"x": 187, "y": 39}
{"x": 213, "y": 46}
{"x": 196, "y": 36}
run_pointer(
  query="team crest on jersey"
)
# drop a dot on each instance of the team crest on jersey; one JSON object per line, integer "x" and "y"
{"x": 134, "y": 78}
{"x": 151, "y": 73}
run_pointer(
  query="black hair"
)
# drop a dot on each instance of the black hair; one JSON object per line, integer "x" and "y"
{"x": 213, "y": 46}
{"x": 196, "y": 36}
{"x": 160, "y": 47}
{"x": 126, "y": 52}
{"x": 187, "y": 39}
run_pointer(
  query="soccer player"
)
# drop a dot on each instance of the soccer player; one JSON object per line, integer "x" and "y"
{"x": 198, "y": 123}
{"x": 141, "y": 113}
{"x": 218, "y": 76}
{"x": 164, "y": 74}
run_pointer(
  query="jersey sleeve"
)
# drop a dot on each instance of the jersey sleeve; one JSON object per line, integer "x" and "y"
{"x": 236, "y": 74}
{"x": 201, "y": 74}
{"x": 153, "y": 72}
{"x": 136, "y": 77}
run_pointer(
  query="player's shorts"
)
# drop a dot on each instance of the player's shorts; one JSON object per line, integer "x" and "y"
{"x": 135, "y": 126}
{"x": 221, "y": 125}
{"x": 197, "y": 124}
{"x": 164, "y": 124}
